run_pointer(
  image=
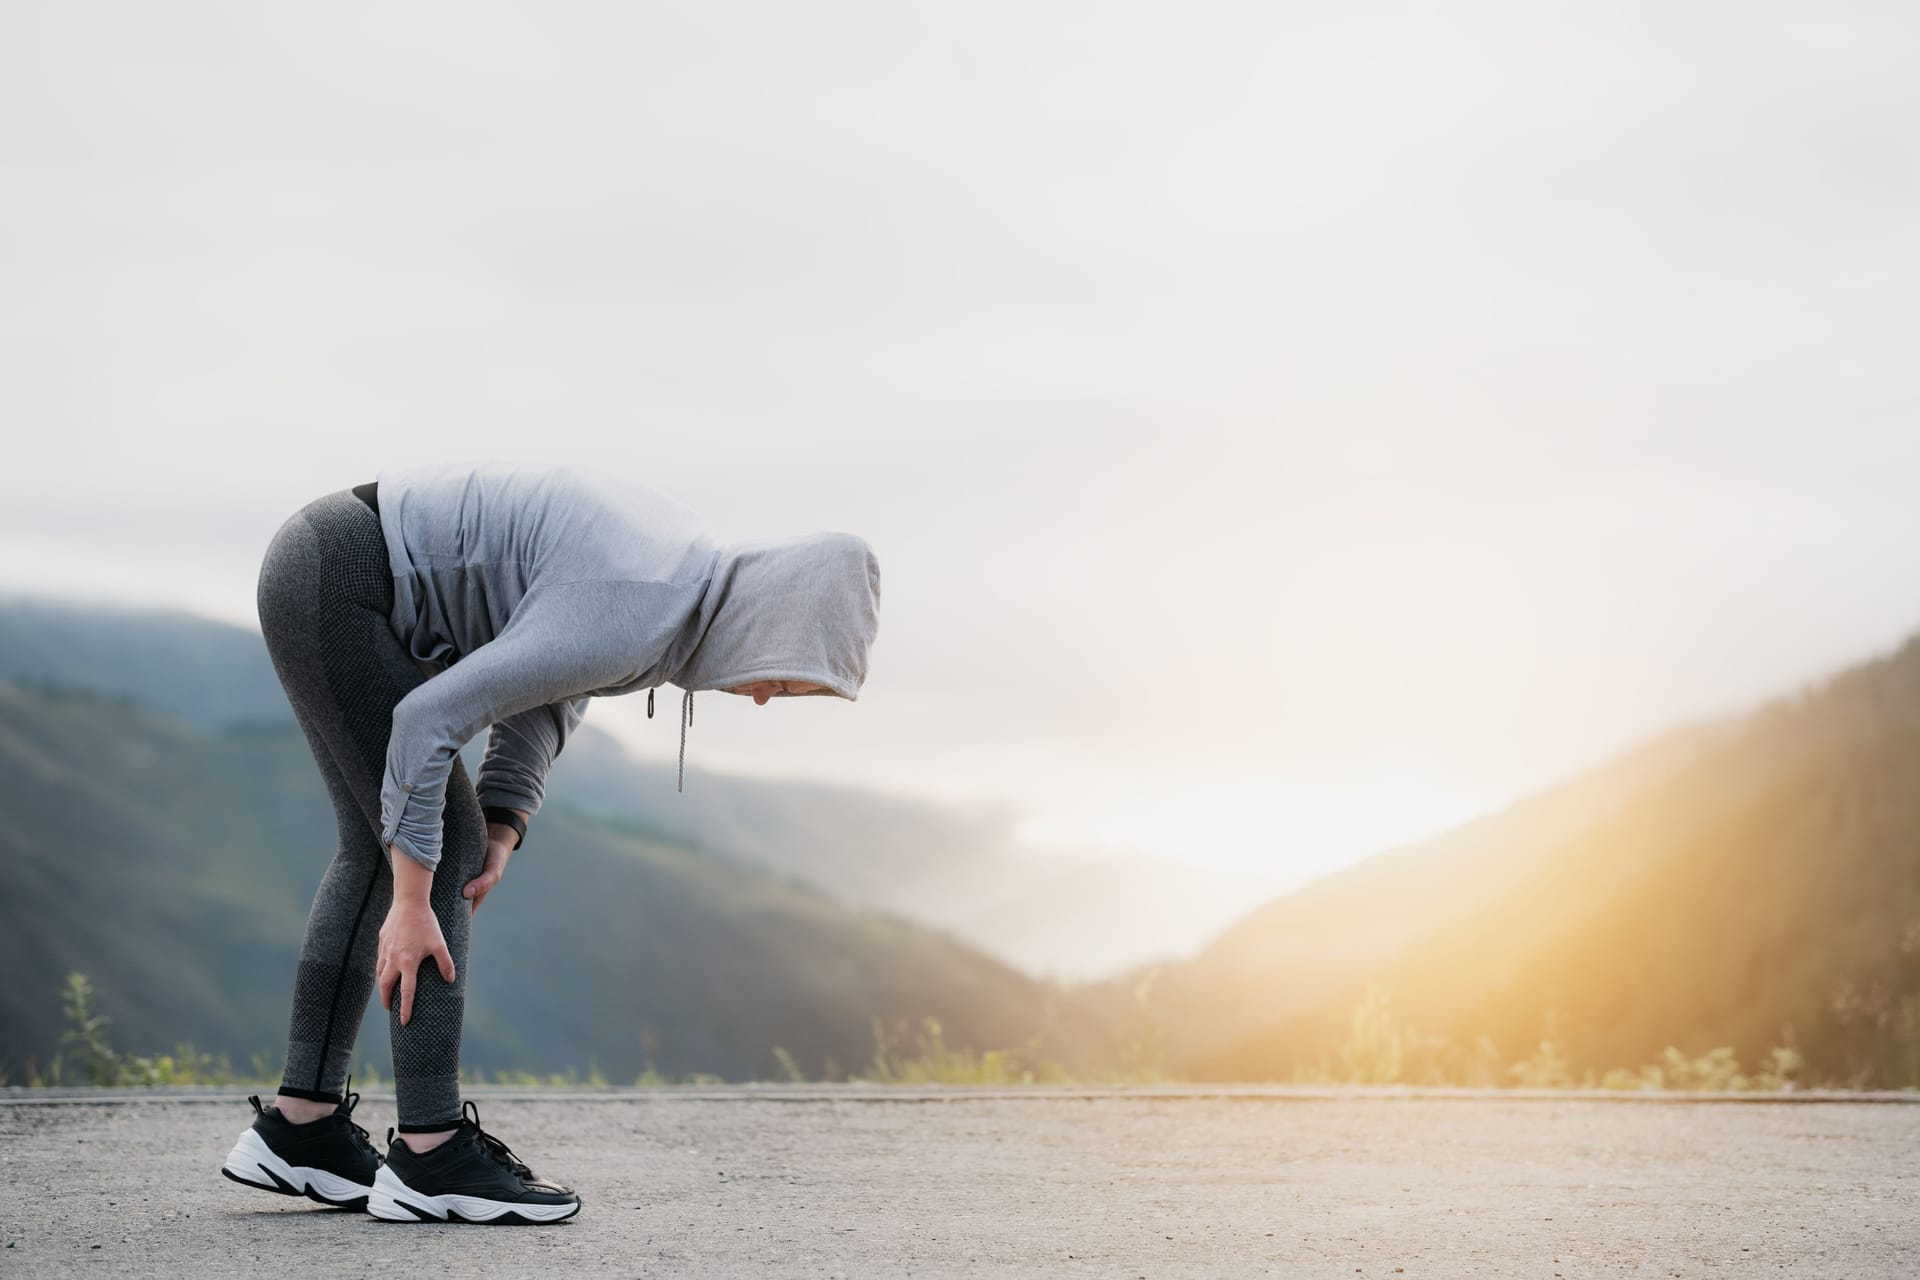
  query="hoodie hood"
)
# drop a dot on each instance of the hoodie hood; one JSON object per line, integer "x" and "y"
{"x": 805, "y": 607}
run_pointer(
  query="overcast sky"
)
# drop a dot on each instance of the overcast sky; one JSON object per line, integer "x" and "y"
{"x": 1284, "y": 428}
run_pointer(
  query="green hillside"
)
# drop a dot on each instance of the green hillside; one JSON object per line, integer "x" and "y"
{"x": 204, "y": 672}
{"x": 1747, "y": 882}
{"x": 947, "y": 866}
{"x": 174, "y": 865}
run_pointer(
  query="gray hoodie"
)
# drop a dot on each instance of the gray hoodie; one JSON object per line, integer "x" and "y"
{"x": 522, "y": 591}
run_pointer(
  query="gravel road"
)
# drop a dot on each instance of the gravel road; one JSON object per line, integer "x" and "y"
{"x": 852, "y": 1181}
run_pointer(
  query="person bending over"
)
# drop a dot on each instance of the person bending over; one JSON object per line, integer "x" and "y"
{"x": 405, "y": 615}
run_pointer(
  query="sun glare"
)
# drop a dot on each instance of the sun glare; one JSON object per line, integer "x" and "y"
{"x": 1292, "y": 826}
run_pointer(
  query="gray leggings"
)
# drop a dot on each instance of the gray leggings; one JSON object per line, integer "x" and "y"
{"x": 325, "y": 590}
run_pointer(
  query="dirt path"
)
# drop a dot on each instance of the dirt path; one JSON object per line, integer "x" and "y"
{"x": 833, "y": 1181}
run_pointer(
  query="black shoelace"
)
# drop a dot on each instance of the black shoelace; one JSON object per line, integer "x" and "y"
{"x": 345, "y": 1112}
{"x": 470, "y": 1114}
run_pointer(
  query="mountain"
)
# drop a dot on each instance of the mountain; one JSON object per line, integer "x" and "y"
{"x": 948, "y": 867}
{"x": 1747, "y": 882}
{"x": 174, "y": 865}
{"x": 204, "y": 672}
{"x": 962, "y": 870}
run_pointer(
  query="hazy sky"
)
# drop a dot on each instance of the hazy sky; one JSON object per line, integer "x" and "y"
{"x": 1283, "y": 427}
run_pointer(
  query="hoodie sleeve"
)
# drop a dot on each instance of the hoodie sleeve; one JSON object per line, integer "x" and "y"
{"x": 521, "y": 751}
{"x": 550, "y": 651}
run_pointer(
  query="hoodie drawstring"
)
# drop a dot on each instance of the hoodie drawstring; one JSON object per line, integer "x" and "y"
{"x": 686, "y": 705}
{"x": 686, "y": 718}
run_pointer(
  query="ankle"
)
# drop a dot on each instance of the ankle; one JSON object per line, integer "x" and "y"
{"x": 302, "y": 1110}
{"x": 421, "y": 1143}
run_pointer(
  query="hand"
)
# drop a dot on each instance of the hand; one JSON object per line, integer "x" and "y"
{"x": 499, "y": 849}
{"x": 409, "y": 936}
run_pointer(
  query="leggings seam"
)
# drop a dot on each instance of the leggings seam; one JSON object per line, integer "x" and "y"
{"x": 339, "y": 981}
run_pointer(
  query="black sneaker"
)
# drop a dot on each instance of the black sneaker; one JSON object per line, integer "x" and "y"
{"x": 471, "y": 1177}
{"x": 330, "y": 1159}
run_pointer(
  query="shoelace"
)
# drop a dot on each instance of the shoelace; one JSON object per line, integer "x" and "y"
{"x": 345, "y": 1112}
{"x": 470, "y": 1114}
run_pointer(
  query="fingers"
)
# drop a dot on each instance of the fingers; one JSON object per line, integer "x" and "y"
{"x": 490, "y": 873}
{"x": 477, "y": 891}
{"x": 397, "y": 967}
{"x": 482, "y": 884}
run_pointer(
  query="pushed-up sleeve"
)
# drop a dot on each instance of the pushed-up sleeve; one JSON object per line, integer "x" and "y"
{"x": 521, "y": 751}
{"x": 542, "y": 656}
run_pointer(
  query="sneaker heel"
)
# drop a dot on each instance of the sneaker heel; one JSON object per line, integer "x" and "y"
{"x": 388, "y": 1205}
{"x": 388, "y": 1209}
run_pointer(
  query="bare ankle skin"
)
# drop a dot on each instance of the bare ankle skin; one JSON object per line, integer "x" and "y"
{"x": 421, "y": 1143}
{"x": 302, "y": 1110}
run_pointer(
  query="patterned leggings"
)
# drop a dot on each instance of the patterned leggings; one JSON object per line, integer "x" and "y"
{"x": 325, "y": 590}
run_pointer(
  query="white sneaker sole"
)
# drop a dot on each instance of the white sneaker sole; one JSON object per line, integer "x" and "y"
{"x": 394, "y": 1201}
{"x": 252, "y": 1161}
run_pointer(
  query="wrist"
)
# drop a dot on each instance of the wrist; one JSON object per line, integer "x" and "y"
{"x": 505, "y": 826}
{"x": 412, "y": 882}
